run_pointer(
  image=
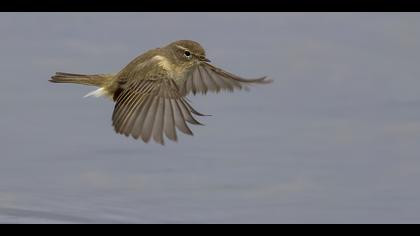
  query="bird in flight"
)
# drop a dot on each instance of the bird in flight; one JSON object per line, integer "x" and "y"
{"x": 150, "y": 92}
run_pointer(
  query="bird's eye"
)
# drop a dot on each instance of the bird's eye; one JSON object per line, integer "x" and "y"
{"x": 187, "y": 54}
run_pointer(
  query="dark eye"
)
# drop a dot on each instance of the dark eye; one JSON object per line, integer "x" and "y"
{"x": 187, "y": 53}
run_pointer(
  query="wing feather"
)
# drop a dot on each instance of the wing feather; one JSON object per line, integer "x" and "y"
{"x": 149, "y": 109}
{"x": 169, "y": 121}
{"x": 179, "y": 118}
{"x": 149, "y": 120}
{"x": 208, "y": 78}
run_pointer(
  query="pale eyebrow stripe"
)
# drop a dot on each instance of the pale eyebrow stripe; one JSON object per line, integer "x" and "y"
{"x": 181, "y": 47}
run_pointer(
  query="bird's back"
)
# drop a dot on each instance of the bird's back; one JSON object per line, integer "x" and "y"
{"x": 137, "y": 69}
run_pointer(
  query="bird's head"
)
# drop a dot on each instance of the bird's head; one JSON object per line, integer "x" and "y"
{"x": 186, "y": 52}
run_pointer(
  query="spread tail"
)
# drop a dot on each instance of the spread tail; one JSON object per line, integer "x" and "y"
{"x": 98, "y": 80}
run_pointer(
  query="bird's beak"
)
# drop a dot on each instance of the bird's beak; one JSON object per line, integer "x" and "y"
{"x": 204, "y": 59}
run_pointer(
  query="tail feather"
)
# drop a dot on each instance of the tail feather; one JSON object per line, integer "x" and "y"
{"x": 97, "y": 80}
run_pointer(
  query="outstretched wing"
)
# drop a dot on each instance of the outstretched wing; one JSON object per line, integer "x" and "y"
{"x": 152, "y": 107}
{"x": 206, "y": 77}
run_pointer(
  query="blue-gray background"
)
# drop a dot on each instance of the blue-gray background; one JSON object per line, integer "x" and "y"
{"x": 335, "y": 139}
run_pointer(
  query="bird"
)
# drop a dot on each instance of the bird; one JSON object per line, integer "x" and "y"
{"x": 150, "y": 92}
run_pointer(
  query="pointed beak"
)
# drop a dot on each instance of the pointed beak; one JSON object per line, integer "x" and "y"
{"x": 204, "y": 59}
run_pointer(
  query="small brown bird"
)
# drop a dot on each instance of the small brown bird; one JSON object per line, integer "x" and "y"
{"x": 149, "y": 93}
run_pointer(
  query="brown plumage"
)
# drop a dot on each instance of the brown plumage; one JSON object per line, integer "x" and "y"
{"x": 149, "y": 93}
